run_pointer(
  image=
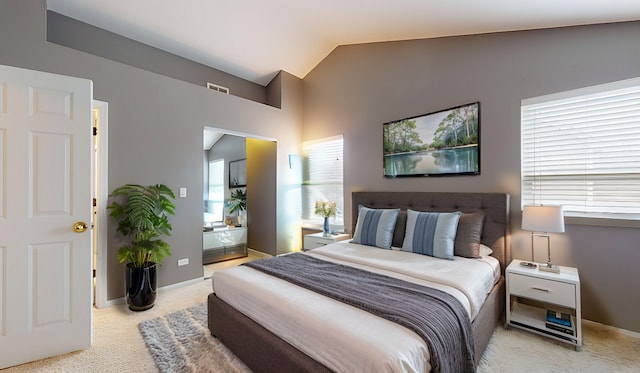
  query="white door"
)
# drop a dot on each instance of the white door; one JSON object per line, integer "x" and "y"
{"x": 45, "y": 188}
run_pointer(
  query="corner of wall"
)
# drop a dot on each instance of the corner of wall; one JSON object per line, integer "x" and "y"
{"x": 274, "y": 91}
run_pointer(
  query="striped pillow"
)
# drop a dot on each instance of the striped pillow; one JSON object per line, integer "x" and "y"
{"x": 375, "y": 227}
{"x": 431, "y": 233}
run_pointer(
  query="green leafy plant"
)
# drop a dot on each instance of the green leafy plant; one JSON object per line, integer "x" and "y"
{"x": 143, "y": 217}
{"x": 237, "y": 202}
{"x": 326, "y": 209}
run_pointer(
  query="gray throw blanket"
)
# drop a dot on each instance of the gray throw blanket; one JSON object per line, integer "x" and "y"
{"x": 434, "y": 315}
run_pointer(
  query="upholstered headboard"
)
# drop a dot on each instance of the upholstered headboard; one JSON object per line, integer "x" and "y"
{"x": 495, "y": 206}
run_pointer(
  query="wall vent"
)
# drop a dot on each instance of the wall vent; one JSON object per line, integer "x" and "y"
{"x": 218, "y": 88}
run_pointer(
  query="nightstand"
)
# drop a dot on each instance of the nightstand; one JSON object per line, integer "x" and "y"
{"x": 531, "y": 292}
{"x": 315, "y": 240}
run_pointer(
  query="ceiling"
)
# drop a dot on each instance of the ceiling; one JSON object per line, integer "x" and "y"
{"x": 210, "y": 138}
{"x": 254, "y": 39}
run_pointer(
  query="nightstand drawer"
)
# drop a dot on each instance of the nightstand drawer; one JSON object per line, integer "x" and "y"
{"x": 560, "y": 293}
{"x": 311, "y": 243}
{"x": 316, "y": 240}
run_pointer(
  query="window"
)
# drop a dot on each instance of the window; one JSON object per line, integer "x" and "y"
{"x": 581, "y": 150}
{"x": 322, "y": 178}
{"x": 216, "y": 189}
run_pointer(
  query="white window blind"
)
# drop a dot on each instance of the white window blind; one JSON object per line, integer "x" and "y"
{"x": 216, "y": 189}
{"x": 322, "y": 178}
{"x": 581, "y": 150}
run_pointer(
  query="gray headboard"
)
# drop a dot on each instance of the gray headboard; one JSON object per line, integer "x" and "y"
{"x": 494, "y": 205}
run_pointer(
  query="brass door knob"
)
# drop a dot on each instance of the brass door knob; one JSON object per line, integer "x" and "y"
{"x": 80, "y": 227}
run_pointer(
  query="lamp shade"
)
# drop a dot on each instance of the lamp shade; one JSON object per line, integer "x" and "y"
{"x": 540, "y": 218}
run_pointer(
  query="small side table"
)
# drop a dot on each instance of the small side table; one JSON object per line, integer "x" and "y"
{"x": 530, "y": 292}
{"x": 315, "y": 240}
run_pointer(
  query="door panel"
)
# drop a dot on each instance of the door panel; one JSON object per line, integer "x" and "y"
{"x": 48, "y": 269}
{"x": 45, "y": 187}
{"x": 49, "y": 177}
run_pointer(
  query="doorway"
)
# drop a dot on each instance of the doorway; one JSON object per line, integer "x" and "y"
{"x": 240, "y": 150}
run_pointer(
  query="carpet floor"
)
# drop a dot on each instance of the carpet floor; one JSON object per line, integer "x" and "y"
{"x": 119, "y": 346}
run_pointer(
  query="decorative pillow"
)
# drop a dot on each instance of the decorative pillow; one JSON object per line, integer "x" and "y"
{"x": 467, "y": 242}
{"x": 431, "y": 233}
{"x": 375, "y": 227}
{"x": 485, "y": 250}
{"x": 401, "y": 227}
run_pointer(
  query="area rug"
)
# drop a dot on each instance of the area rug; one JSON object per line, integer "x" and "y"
{"x": 181, "y": 342}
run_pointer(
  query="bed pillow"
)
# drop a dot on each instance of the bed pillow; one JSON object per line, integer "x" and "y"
{"x": 467, "y": 242}
{"x": 431, "y": 233}
{"x": 375, "y": 227}
{"x": 485, "y": 250}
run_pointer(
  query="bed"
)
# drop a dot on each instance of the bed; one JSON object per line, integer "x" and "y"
{"x": 317, "y": 334}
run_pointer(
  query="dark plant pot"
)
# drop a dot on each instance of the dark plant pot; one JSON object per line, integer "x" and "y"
{"x": 141, "y": 285}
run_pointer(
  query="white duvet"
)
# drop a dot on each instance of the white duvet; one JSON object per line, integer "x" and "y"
{"x": 344, "y": 338}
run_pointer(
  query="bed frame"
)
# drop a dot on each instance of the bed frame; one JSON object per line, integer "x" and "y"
{"x": 262, "y": 351}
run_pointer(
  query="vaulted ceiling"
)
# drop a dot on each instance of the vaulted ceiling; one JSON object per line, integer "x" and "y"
{"x": 254, "y": 39}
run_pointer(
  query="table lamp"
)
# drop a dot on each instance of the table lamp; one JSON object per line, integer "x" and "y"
{"x": 542, "y": 220}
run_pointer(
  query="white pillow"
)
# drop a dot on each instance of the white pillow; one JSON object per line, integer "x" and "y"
{"x": 485, "y": 250}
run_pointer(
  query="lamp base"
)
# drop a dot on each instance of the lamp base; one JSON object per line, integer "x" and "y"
{"x": 549, "y": 268}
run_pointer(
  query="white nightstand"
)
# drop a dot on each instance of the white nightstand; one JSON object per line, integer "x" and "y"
{"x": 530, "y": 292}
{"x": 315, "y": 240}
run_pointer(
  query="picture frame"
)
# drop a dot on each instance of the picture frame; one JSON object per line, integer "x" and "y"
{"x": 238, "y": 173}
{"x": 441, "y": 143}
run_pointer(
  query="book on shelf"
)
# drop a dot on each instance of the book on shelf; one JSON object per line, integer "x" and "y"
{"x": 559, "y": 318}
{"x": 560, "y": 328}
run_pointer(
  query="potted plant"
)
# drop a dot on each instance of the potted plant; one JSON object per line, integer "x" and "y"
{"x": 143, "y": 218}
{"x": 237, "y": 204}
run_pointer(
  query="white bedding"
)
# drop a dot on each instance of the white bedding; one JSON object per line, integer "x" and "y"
{"x": 343, "y": 338}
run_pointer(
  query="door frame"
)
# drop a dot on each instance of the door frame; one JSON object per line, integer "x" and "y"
{"x": 102, "y": 196}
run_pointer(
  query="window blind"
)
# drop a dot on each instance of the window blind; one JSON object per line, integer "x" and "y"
{"x": 322, "y": 178}
{"x": 216, "y": 189}
{"x": 581, "y": 150}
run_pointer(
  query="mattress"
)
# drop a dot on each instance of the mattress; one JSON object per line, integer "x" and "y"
{"x": 343, "y": 338}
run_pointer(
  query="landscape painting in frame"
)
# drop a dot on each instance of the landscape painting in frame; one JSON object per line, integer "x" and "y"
{"x": 437, "y": 144}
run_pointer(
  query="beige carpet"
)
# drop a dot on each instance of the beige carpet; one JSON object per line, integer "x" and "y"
{"x": 118, "y": 345}
{"x": 604, "y": 350}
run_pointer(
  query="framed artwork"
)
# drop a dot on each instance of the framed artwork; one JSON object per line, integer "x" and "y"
{"x": 442, "y": 143}
{"x": 238, "y": 173}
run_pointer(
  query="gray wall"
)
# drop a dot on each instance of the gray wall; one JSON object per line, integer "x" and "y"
{"x": 359, "y": 87}
{"x": 84, "y": 37}
{"x": 261, "y": 161}
{"x": 155, "y": 131}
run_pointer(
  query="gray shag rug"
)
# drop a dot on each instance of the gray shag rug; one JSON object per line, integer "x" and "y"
{"x": 181, "y": 342}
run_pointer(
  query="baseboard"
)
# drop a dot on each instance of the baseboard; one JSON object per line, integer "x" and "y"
{"x": 114, "y": 302}
{"x": 612, "y": 328}
{"x": 179, "y": 284}
{"x": 259, "y": 253}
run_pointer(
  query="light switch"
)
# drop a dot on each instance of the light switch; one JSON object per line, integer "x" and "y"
{"x": 183, "y": 192}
